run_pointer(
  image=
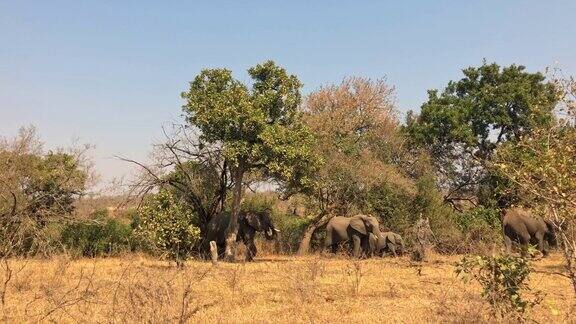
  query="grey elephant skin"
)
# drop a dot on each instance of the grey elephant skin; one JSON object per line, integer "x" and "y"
{"x": 354, "y": 230}
{"x": 388, "y": 242}
{"x": 249, "y": 223}
{"x": 521, "y": 226}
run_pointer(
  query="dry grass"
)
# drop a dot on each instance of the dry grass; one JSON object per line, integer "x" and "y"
{"x": 272, "y": 289}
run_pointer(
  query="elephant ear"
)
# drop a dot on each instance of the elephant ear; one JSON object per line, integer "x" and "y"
{"x": 388, "y": 237}
{"x": 357, "y": 223}
{"x": 253, "y": 220}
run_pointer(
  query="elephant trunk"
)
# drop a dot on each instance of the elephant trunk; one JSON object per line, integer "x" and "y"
{"x": 271, "y": 233}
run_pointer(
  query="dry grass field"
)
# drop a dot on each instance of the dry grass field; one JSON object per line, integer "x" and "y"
{"x": 272, "y": 289}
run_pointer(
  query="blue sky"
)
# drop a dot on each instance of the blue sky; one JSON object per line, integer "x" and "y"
{"x": 110, "y": 72}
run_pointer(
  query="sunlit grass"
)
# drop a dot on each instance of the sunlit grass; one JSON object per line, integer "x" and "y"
{"x": 272, "y": 289}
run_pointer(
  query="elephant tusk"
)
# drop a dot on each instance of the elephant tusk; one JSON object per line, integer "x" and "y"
{"x": 277, "y": 230}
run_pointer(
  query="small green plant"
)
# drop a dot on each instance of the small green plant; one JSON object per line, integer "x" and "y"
{"x": 166, "y": 226}
{"x": 99, "y": 236}
{"x": 503, "y": 280}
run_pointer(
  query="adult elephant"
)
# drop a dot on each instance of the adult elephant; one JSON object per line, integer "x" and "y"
{"x": 521, "y": 226}
{"x": 355, "y": 230}
{"x": 387, "y": 242}
{"x": 249, "y": 224}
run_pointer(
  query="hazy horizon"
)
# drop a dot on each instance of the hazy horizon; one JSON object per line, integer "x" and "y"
{"x": 111, "y": 74}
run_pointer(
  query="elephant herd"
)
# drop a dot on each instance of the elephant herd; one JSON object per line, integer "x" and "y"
{"x": 364, "y": 238}
{"x": 361, "y": 232}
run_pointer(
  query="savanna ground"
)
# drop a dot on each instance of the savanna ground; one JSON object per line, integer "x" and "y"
{"x": 272, "y": 289}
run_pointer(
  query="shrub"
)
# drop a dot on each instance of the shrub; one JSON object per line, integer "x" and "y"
{"x": 258, "y": 202}
{"x": 98, "y": 236}
{"x": 479, "y": 217}
{"x": 291, "y": 231}
{"x": 503, "y": 280}
{"x": 165, "y": 226}
{"x": 481, "y": 228}
{"x": 392, "y": 206}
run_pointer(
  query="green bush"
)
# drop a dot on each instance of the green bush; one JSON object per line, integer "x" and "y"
{"x": 165, "y": 226}
{"x": 291, "y": 229}
{"x": 504, "y": 283}
{"x": 479, "y": 217}
{"x": 98, "y": 236}
{"x": 392, "y": 206}
{"x": 258, "y": 202}
{"x": 480, "y": 227}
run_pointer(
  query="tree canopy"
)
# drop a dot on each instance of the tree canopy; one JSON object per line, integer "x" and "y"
{"x": 36, "y": 188}
{"x": 470, "y": 118}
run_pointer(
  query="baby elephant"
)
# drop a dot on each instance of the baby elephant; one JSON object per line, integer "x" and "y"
{"x": 388, "y": 242}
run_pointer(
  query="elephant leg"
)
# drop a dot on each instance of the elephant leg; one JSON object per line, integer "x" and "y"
{"x": 393, "y": 249}
{"x": 250, "y": 246}
{"x": 357, "y": 245}
{"x": 366, "y": 248}
{"x": 508, "y": 244}
{"x": 329, "y": 243}
{"x": 334, "y": 248}
{"x": 328, "y": 240}
{"x": 373, "y": 245}
{"x": 251, "y": 251}
{"x": 541, "y": 245}
{"x": 524, "y": 243}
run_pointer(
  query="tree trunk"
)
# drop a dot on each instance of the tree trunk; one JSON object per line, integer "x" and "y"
{"x": 320, "y": 220}
{"x": 232, "y": 230}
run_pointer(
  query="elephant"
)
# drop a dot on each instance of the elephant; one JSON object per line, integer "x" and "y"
{"x": 355, "y": 230}
{"x": 387, "y": 242}
{"x": 394, "y": 243}
{"x": 521, "y": 226}
{"x": 249, "y": 223}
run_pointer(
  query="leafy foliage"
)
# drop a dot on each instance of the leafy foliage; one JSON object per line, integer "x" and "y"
{"x": 36, "y": 190}
{"x": 503, "y": 280}
{"x": 98, "y": 236}
{"x": 54, "y": 184}
{"x": 259, "y": 129}
{"x": 166, "y": 226}
{"x": 543, "y": 165}
{"x": 201, "y": 186}
{"x": 470, "y": 118}
{"x": 480, "y": 216}
{"x": 357, "y": 129}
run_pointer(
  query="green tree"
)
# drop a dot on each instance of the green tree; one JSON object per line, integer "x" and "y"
{"x": 470, "y": 118}
{"x": 259, "y": 129}
{"x": 54, "y": 185}
{"x": 166, "y": 226}
{"x": 36, "y": 189}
